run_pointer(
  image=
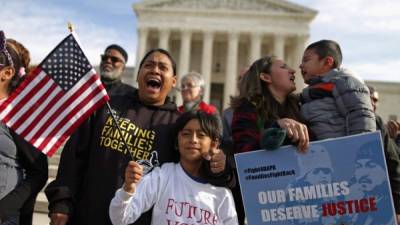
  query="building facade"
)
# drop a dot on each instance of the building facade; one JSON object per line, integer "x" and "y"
{"x": 218, "y": 38}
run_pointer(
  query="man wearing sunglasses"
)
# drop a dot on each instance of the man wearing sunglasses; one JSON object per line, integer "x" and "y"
{"x": 112, "y": 66}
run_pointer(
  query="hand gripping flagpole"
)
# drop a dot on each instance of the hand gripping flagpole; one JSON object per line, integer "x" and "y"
{"x": 71, "y": 29}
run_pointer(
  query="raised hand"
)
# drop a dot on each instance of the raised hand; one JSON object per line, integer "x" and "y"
{"x": 133, "y": 174}
{"x": 216, "y": 157}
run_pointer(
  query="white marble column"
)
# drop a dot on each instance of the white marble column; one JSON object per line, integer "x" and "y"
{"x": 206, "y": 62}
{"x": 141, "y": 50}
{"x": 163, "y": 39}
{"x": 279, "y": 46}
{"x": 297, "y": 58}
{"x": 184, "y": 59}
{"x": 231, "y": 67}
{"x": 255, "y": 47}
{"x": 184, "y": 53}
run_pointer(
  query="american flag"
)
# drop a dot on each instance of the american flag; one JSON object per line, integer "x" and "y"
{"x": 55, "y": 98}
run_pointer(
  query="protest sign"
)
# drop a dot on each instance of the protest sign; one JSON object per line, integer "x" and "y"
{"x": 338, "y": 181}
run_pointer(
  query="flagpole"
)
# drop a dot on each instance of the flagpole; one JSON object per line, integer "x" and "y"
{"x": 71, "y": 29}
{"x": 119, "y": 129}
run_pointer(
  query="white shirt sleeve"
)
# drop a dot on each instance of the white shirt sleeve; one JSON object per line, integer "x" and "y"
{"x": 227, "y": 211}
{"x": 126, "y": 208}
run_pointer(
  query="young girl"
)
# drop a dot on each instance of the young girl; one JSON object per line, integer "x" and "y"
{"x": 179, "y": 192}
{"x": 23, "y": 170}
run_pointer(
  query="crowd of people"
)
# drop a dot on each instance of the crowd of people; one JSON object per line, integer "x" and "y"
{"x": 158, "y": 163}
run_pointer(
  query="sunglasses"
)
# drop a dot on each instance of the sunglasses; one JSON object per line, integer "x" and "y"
{"x": 104, "y": 58}
{"x": 323, "y": 170}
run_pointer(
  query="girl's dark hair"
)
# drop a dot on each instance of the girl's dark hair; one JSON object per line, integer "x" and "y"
{"x": 20, "y": 58}
{"x": 160, "y": 50}
{"x": 255, "y": 90}
{"x": 209, "y": 123}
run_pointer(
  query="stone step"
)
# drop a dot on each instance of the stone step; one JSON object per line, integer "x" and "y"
{"x": 53, "y": 171}
{"x": 54, "y": 160}
{"x": 48, "y": 182}
{"x": 40, "y": 219}
{"x": 41, "y": 200}
{"x": 41, "y": 203}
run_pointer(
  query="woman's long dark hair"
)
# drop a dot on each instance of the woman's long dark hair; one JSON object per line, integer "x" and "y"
{"x": 255, "y": 90}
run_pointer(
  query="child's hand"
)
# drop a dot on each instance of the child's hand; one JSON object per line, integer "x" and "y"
{"x": 217, "y": 159}
{"x": 133, "y": 174}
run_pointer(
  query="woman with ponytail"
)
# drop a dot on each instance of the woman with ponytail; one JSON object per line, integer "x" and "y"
{"x": 23, "y": 169}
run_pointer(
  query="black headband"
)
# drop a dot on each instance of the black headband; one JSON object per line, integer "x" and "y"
{"x": 3, "y": 48}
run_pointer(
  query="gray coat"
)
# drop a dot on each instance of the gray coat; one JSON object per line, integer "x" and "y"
{"x": 337, "y": 104}
{"x": 10, "y": 171}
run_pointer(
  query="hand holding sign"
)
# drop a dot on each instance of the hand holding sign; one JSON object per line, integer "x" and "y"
{"x": 296, "y": 132}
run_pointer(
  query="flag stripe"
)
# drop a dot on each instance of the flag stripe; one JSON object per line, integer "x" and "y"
{"x": 58, "y": 102}
{"x": 27, "y": 109}
{"x": 62, "y": 113}
{"x": 36, "y": 115}
{"x": 55, "y": 98}
{"x": 71, "y": 118}
{"x": 76, "y": 124}
{"x": 65, "y": 101}
{"x": 40, "y": 117}
{"x": 4, "y": 107}
{"x": 15, "y": 99}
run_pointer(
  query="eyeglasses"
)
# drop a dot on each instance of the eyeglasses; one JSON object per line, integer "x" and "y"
{"x": 188, "y": 86}
{"x": 104, "y": 58}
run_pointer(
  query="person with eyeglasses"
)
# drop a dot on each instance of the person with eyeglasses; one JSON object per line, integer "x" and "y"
{"x": 94, "y": 159}
{"x": 112, "y": 66}
{"x": 23, "y": 169}
{"x": 192, "y": 91}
